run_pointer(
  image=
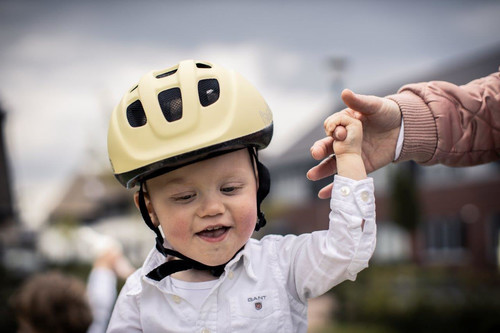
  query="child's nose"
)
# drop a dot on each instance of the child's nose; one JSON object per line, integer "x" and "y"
{"x": 211, "y": 205}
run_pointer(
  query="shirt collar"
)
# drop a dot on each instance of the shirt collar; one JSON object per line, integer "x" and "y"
{"x": 243, "y": 255}
{"x": 155, "y": 258}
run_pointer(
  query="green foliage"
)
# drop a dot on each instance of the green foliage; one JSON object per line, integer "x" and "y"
{"x": 405, "y": 209}
{"x": 412, "y": 299}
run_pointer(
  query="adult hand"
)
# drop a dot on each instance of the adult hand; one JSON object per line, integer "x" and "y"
{"x": 381, "y": 120}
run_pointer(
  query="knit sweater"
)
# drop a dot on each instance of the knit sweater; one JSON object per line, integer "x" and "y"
{"x": 449, "y": 124}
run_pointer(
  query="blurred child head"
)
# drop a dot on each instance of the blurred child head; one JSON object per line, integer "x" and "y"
{"x": 52, "y": 303}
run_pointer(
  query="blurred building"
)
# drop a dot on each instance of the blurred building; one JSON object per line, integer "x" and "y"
{"x": 16, "y": 244}
{"x": 94, "y": 201}
{"x": 458, "y": 209}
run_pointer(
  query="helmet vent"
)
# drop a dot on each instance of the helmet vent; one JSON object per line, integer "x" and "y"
{"x": 201, "y": 65}
{"x": 135, "y": 114}
{"x": 208, "y": 91}
{"x": 159, "y": 76}
{"x": 171, "y": 104}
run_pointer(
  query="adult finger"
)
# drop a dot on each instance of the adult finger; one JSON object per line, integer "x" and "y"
{"x": 361, "y": 103}
{"x": 340, "y": 133}
{"x": 322, "y": 148}
{"x": 326, "y": 192}
{"x": 326, "y": 168}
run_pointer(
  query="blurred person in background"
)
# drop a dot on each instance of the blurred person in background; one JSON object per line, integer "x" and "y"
{"x": 52, "y": 302}
{"x": 110, "y": 266}
{"x": 58, "y": 303}
{"x": 430, "y": 123}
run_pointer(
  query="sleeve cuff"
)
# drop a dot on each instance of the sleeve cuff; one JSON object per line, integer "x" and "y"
{"x": 420, "y": 132}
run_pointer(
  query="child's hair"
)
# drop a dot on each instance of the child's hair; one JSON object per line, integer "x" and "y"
{"x": 53, "y": 302}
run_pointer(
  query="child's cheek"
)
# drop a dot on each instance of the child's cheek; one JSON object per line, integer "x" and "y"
{"x": 248, "y": 221}
{"x": 175, "y": 230}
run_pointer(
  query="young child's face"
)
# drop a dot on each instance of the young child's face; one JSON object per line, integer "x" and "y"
{"x": 207, "y": 210}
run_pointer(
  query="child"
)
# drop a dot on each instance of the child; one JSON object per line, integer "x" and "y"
{"x": 52, "y": 302}
{"x": 188, "y": 136}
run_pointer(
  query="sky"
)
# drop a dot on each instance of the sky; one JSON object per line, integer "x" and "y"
{"x": 65, "y": 64}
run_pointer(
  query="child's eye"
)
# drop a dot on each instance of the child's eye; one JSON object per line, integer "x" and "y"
{"x": 230, "y": 189}
{"x": 184, "y": 197}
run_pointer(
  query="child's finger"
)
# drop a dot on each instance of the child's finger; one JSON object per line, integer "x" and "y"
{"x": 339, "y": 119}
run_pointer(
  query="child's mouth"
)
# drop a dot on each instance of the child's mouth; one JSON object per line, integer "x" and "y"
{"x": 213, "y": 234}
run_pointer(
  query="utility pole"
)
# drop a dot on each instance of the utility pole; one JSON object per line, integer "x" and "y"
{"x": 337, "y": 65}
{"x": 6, "y": 202}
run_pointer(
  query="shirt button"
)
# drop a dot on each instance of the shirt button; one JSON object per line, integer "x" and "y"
{"x": 344, "y": 190}
{"x": 230, "y": 275}
{"x": 176, "y": 299}
{"x": 365, "y": 196}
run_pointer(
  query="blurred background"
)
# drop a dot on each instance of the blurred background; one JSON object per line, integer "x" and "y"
{"x": 65, "y": 64}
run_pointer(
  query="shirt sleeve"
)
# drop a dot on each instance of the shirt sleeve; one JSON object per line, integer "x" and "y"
{"x": 399, "y": 144}
{"x": 126, "y": 314}
{"x": 316, "y": 262}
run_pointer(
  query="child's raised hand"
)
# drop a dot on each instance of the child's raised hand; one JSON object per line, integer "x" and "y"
{"x": 346, "y": 131}
{"x": 347, "y": 136}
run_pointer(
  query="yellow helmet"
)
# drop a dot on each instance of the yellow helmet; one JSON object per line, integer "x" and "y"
{"x": 182, "y": 114}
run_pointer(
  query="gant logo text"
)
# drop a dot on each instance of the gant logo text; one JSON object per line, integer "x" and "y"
{"x": 257, "y": 298}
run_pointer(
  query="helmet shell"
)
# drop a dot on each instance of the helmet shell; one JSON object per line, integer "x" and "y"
{"x": 178, "y": 115}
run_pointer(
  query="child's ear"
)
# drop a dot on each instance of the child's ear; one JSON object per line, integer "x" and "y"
{"x": 149, "y": 206}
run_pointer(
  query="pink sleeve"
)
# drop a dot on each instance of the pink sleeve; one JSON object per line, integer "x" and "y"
{"x": 449, "y": 124}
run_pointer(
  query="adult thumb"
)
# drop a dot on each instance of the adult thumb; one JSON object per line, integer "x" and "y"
{"x": 361, "y": 103}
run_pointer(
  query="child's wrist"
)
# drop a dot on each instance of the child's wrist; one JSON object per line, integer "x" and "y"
{"x": 351, "y": 165}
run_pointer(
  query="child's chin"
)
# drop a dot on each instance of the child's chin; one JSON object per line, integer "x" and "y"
{"x": 216, "y": 262}
{"x": 220, "y": 260}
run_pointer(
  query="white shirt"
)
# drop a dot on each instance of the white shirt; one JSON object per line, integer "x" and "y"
{"x": 266, "y": 286}
{"x": 401, "y": 138}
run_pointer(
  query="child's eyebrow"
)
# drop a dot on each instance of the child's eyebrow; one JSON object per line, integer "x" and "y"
{"x": 176, "y": 181}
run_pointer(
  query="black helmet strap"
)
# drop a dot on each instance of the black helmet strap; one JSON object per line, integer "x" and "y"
{"x": 264, "y": 187}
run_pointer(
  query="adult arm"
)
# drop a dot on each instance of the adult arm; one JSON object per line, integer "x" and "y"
{"x": 443, "y": 123}
{"x": 449, "y": 124}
